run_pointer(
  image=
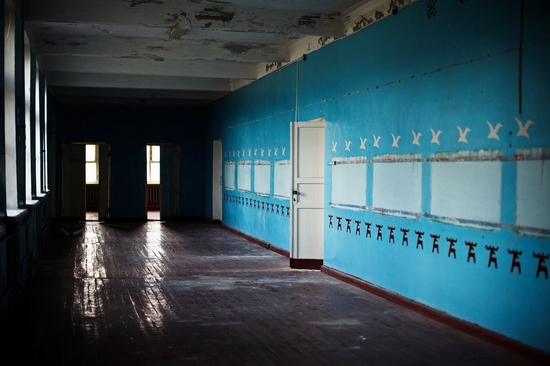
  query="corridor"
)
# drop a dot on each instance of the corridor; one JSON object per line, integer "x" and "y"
{"x": 178, "y": 293}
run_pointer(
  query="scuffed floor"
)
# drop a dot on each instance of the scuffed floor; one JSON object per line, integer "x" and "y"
{"x": 180, "y": 293}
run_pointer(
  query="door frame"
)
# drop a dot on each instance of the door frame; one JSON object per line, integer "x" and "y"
{"x": 297, "y": 257}
{"x": 73, "y": 180}
{"x": 217, "y": 166}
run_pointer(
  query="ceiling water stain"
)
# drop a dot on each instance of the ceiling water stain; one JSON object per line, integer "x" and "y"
{"x": 215, "y": 14}
{"x": 309, "y": 20}
{"x": 239, "y": 48}
{"x": 139, "y": 2}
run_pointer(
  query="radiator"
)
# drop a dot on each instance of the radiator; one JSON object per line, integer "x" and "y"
{"x": 153, "y": 194}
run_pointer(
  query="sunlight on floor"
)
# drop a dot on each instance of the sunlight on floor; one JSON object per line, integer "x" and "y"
{"x": 153, "y": 215}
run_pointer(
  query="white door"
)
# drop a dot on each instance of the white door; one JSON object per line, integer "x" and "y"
{"x": 104, "y": 181}
{"x": 308, "y": 171}
{"x": 74, "y": 181}
{"x": 169, "y": 181}
{"x": 217, "y": 181}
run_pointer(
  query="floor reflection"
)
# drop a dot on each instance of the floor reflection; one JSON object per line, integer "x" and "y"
{"x": 89, "y": 268}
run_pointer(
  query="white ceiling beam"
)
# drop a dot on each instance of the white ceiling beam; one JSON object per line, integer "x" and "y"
{"x": 158, "y": 50}
{"x": 184, "y": 14}
{"x": 138, "y": 93}
{"x": 55, "y": 78}
{"x": 139, "y": 66}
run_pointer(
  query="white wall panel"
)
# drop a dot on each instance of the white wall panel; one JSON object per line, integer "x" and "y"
{"x": 282, "y": 179}
{"x": 244, "y": 176}
{"x": 467, "y": 190}
{"x": 262, "y": 178}
{"x": 229, "y": 175}
{"x": 349, "y": 184}
{"x": 533, "y": 194}
{"x": 397, "y": 186}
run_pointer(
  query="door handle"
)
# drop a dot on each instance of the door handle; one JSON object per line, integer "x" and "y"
{"x": 295, "y": 196}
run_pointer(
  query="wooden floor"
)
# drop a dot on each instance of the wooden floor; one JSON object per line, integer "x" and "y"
{"x": 163, "y": 293}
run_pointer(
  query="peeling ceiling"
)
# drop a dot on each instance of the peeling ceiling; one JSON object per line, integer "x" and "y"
{"x": 187, "y": 52}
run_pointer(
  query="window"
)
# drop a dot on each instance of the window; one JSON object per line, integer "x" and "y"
{"x": 153, "y": 164}
{"x": 92, "y": 165}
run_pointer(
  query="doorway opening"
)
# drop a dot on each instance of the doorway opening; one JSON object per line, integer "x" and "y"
{"x": 86, "y": 180}
{"x": 153, "y": 182}
{"x": 92, "y": 182}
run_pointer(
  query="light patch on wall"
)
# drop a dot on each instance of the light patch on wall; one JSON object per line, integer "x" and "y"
{"x": 229, "y": 175}
{"x": 397, "y": 186}
{"x": 468, "y": 190}
{"x": 244, "y": 170}
{"x": 349, "y": 183}
{"x": 262, "y": 177}
{"x": 281, "y": 187}
{"x": 533, "y": 194}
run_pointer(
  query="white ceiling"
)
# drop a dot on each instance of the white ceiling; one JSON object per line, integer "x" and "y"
{"x": 186, "y": 52}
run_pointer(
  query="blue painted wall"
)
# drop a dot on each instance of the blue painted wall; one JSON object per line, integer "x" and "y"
{"x": 436, "y": 95}
{"x": 128, "y": 129}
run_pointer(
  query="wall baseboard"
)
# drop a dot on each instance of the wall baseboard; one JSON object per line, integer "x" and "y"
{"x": 439, "y": 316}
{"x": 261, "y": 243}
{"x": 299, "y": 263}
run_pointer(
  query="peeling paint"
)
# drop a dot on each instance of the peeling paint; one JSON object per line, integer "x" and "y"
{"x": 156, "y": 48}
{"x": 323, "y": 41}
{"x": 271, "y": 66}
{"x": 172, "y": 18}
{"x": 378, "y": 15}
{"x": 215, "y": 14}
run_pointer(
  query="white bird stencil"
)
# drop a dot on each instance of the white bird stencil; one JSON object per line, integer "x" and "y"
{"x": 363, "y": 142}
{"x": 395, "y": 140}
{"x": 262, "y": 152}
{"x": 348, "y": 144}
{"x": 283, "y": 149}
{"x": 463, "y": 134}
{"x": 376, "y": 140}
{"x": 334, "y": 144}
{"x": 523, "y": 127}
{"x": 249, "y": 152}
{"x": 255, "y": 152}
{"x": 275, "y": 151}
{"x": 416, "y": 136}
{"x": 493, "y": 134}
{"x": 268, "y": 152}
{"x": 435, "y": 136}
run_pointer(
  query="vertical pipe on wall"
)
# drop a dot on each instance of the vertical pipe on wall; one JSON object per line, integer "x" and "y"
{"x": 520, "y": 51}
{"x": 297, "y": 84}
